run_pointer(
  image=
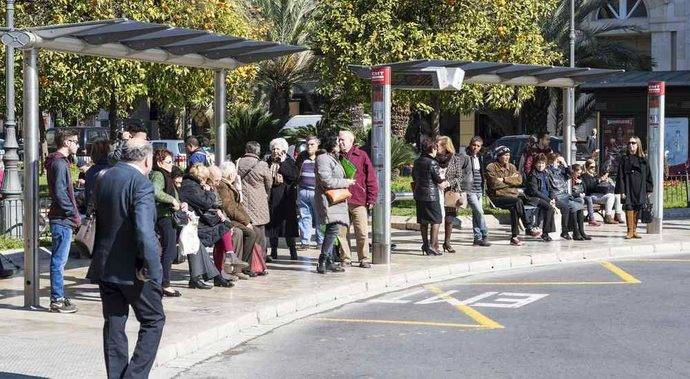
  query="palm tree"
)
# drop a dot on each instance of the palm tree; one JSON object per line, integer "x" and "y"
{"x": 592, "y": 49}
{"x": 287, "y": 21}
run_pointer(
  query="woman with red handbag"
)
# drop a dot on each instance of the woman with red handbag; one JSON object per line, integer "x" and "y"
{"x": 331, "y": 200}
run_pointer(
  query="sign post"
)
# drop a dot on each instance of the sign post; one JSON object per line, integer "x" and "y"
{"x": 381, "y": 156}
{"x": 655, "y": 144}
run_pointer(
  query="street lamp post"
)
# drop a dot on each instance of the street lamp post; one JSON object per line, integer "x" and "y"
{"x": 569, "y": 98}
{"x": 12, "y": 207}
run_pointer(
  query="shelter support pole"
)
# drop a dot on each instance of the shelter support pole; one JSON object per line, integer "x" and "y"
{"x": 31, "y": 161}
{"x": 381, "y": 150}
{"x": 656, "y": 110}
{"x": 219, "y": 108}
{"x": 568, "y": 125}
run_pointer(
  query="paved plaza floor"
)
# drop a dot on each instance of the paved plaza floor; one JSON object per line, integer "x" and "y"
{"x": 202, "y": 323}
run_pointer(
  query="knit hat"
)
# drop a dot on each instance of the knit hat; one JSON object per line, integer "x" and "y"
{"x": 280, "y": 143}
{"x": 501, "y": 150}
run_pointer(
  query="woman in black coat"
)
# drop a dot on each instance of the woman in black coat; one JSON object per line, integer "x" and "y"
{"x": 427, "y": 181}
{"x": 205, "y": 204}
{"x": 634, "y": 183}
{"x": 282, "y": 202}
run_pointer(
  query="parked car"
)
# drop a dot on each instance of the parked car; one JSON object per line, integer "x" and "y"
{"x": 176, "y": 147}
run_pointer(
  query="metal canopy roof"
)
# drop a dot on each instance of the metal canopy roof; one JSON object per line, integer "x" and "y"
{"x": 499, "y": 72}
{"x": 639, "y": 79}
{"x": 134, "y": 40}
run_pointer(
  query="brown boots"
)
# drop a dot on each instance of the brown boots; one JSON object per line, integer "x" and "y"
{"x": 631, "y": 223}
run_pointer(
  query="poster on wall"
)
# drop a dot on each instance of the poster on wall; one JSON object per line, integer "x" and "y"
{"x": 615, "y": 133}
{"x": 676, "y": 144}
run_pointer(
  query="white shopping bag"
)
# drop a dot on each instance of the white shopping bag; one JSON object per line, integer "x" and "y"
{"x": 189, "y": 239}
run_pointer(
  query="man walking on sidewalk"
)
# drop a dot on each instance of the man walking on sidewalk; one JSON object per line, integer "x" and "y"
{"x": 364, "y": 193}
{"x": 63, "y": 215}
{"x": 126, "y": 262}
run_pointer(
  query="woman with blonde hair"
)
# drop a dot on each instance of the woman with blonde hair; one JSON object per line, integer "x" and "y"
{"x": 634, "y": 183}
{"x": 451, "y": 170}
{"x": 196, "y": 192}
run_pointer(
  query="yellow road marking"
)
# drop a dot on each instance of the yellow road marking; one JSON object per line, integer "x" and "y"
{"x": 402, "y": 322}
{"x": 654, "y": 260}
{"x": 465, "y": 309}
{"x": 538, "y": 283}
{"x": 620, "y": 272}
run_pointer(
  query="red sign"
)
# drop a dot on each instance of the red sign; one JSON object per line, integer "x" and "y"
{"x": 381, "y": 76}
{"x": 657, "y": 88}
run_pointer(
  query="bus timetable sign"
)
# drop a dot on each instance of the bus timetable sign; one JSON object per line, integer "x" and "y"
{"x": 657, "y": 88}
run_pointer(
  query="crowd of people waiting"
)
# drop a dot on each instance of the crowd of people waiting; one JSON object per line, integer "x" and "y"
{"x": 444, "y": 180}
{"x": 241, "y": 209}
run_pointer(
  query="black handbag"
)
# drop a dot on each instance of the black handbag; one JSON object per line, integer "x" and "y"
{"x": 180, "y": 219}
{"x": 646, "y": 214}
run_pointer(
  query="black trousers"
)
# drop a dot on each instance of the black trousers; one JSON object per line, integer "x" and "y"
{"x": 249, "y": 237}
{"x": 168, "y": 238}
{"x": 145, "y": 300}
{"x": 517, "y": 211}
{"x": 547, "y": 213}
{"x": 201, "y": 264}
{"x": 289, "y": 241}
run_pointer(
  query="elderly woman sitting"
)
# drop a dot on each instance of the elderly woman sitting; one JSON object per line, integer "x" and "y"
{"x": 237, "y": 216}
{"x": 196, "y": 192}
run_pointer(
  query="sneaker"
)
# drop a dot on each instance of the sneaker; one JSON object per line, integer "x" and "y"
{"x": 364, "y": 264}
{"x": 566, "y": 236}
{"x": 594, "y": 223}
{"x": 482, "y": 242}
{"x": 63, "y": 305}
{"x": 515, "y": 241}
{"x": 546, "y": 238}
{"x": 534, "y": 232}
{"x": 302, "y": 247}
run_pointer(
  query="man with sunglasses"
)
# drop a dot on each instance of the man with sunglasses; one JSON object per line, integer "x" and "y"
{"x": 63, "y": 215}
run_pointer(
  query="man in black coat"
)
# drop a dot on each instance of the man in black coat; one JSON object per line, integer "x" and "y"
{"x": 126, "y": 263}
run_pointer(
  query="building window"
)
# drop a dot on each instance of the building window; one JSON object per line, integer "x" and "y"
{"x": 622, "y": 10}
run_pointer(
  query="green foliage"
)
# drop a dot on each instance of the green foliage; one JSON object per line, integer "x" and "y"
{"x": 78, "y": 86}
{"x": 319, "y": 130}
{"x": 402, "y": 153}
{"x": 379, "y": 31}
{"x": 250, "y": 123}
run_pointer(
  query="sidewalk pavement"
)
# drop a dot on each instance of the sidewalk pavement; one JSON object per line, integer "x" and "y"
{"x": 202, "y": 323}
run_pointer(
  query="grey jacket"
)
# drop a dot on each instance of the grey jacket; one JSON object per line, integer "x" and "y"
{"x": 330, "y": 175}
{"x": 256, "y": 184}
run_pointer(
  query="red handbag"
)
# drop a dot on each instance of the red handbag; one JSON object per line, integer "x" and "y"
{"x": 258, "y": 264}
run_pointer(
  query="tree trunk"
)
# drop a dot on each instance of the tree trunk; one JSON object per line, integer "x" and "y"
{"x": 112, "y": 114}
{"x": 436, "y": 114}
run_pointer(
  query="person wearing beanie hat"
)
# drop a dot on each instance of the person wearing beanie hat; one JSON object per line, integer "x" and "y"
{"x": 503, "y": 181}
{"x": 282, "y": 198}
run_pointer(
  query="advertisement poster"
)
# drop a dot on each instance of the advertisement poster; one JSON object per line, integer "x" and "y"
{"x": 616, "y": 133}
{"x": 676, "y": 144}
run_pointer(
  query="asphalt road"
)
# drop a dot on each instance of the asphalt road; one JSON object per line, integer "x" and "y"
{"x": 624, "y": 319}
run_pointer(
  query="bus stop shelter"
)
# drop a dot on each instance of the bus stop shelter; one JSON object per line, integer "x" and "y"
{"x": 450, "y": 75}
{"x": 120, "y": 39}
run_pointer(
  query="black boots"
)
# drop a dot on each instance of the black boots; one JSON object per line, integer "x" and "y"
{"x": 321, "y": 267}
{"x": 325, "y": 264}
{"x": 581, "y": 227}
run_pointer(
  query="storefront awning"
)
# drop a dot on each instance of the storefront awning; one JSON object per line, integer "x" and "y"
{"x": 143, "y": 41}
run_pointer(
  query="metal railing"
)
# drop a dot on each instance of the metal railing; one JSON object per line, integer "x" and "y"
{"x": 677, "y": 191}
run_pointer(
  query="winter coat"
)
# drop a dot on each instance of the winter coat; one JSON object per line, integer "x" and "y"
{"x": 634, "y": 179}
{"x": 454, "y": 173}
{"x": 282, "y": 202}
{"x": 533, "y": 188}
{"x": 164, "y": 201}
{"x": 63, "y": 206}
{"x": 230, "y": 197}
{"x": 256, "y": 185}
{"x": 203, "y": 203}
{"x": 91, "y": 174}
{"x": 330, "y": 175}
{"x": 468, "y": 171}
{"x": 366, "y": 188}
{"x": 426, "y": 177}
{"x": 502, "y": 181}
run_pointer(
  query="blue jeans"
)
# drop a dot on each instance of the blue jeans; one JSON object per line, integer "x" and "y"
{"x": 478, "y": 221}
{"x": 62, "y": 239}
{"x": 308, "y": 218}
